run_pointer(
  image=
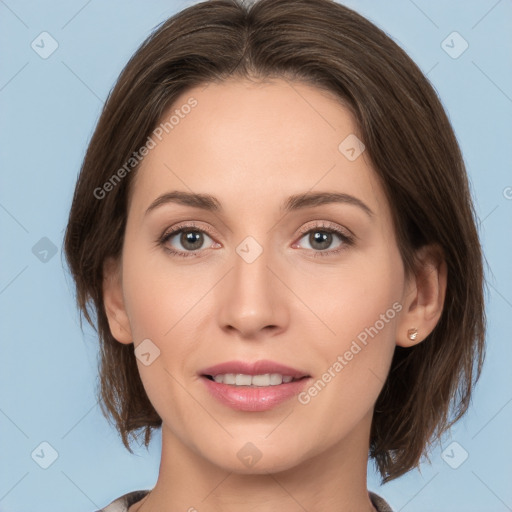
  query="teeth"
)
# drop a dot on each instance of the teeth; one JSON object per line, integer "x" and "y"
{"x": 243, "y": 380}
{"x": 240, "y": 379}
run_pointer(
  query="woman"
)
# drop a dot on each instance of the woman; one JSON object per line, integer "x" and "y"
{"x": 273, "y": 225}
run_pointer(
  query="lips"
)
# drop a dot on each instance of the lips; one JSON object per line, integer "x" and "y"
{"x": 253, "y": 368}
{"x": 253, "y": 398}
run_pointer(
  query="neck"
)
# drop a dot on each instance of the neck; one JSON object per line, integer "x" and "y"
{"x": 331, "y": 481}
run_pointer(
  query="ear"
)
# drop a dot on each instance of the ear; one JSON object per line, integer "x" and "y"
{"x": 424, "y": 297}
{"x": 114, "y": 302}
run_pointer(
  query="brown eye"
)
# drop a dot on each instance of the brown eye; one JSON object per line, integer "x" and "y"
{"x": 321, "y": 239}
{"x": 185, "y": 241}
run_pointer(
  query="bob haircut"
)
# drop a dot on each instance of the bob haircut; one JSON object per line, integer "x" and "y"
{"x": 408, "y": 139}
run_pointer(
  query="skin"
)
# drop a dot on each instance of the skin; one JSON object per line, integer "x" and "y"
{"x": 251, "y": 145}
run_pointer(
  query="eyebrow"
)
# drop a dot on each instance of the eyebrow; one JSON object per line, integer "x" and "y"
{"x": 293, "y": 203}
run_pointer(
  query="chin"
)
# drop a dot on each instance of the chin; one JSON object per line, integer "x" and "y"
{"x": 257, "y": 457}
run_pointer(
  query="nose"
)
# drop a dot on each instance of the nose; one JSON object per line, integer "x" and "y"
{"x": 252, "y": 299}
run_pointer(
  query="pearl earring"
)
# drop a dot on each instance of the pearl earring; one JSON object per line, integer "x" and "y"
{"x": 412, "y": 334}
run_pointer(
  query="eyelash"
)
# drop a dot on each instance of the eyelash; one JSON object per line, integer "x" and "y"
{"x": 347, "y": 240}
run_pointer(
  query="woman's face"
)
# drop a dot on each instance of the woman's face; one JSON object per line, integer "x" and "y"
{"x": 260, "y": 277}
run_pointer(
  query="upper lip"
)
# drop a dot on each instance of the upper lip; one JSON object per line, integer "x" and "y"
{"x": 253, "y": 368}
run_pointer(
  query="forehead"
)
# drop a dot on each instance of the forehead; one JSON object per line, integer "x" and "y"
{"x": 255, "y": 143}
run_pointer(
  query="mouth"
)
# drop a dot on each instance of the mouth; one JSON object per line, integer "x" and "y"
{"x": 258, "y": 386}
{"x": 261, "y": 380}
{"x": 259, "y": 373}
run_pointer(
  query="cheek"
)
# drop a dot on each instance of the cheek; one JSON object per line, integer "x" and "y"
{"x": 158, "y": 294}
{"x": 160, "y": 304}
{"x": 164, "y": 305}
{"x": 361, "y": 306}
{"x": 362, "y": 309}
{"x": 357, "y": 297}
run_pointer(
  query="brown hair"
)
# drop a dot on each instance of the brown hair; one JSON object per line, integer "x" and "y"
{"x": 407, "y": 136}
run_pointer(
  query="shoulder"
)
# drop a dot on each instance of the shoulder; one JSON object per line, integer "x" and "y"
{"x": 122, "y": 503}
{"x": 379, "y": 503}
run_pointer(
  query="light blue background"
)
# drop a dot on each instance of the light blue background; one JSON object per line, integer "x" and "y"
{"x": 48, "y": 366}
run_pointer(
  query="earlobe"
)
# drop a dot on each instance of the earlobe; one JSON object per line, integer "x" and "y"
{"x": 114, "y": 302}
{"x": 425, "y": 299}
{"x": 412, "y": 333}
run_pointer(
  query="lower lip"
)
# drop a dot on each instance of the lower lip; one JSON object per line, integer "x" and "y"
{"x": 254, "y": 398}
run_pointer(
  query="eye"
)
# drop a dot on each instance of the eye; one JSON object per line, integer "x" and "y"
{"x": 190, "y": 238}
{"x": 321, "y": 237}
